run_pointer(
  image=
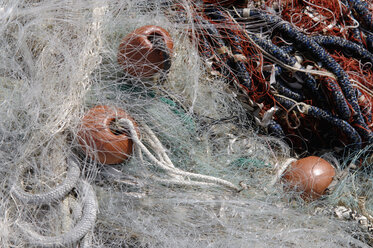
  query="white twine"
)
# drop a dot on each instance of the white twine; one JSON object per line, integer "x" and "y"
{"x": 165, "y": 163}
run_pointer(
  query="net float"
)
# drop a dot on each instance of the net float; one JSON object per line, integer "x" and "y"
{"x": 146, "y": 52}
{"x": 101, "y": 138}
{"x": 311, "y": 176}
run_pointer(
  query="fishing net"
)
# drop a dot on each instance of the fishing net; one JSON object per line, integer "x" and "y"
{"x": 212, "y": 125}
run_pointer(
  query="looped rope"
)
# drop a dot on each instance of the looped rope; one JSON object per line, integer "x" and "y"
{"x": 79, "y": 231}
{"x": 89, "y": 209}
{"x": 55, "y": 194}
{"x": 164, "y": 162}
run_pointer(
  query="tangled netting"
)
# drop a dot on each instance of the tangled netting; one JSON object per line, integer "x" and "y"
{"x": 306, "y": 66}
{"x": 247, "y": 88}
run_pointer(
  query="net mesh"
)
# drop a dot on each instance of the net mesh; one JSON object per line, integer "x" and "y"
{"x": 203, "y": 169}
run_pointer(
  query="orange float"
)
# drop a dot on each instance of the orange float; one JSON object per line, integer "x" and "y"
{"x": 311, "y": 175}
{"x": 146, "y": 51}
{"x": 99, "y": 138}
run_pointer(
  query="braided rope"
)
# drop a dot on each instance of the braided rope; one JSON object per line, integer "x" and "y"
{"x": 87, "y": 217}
{"x": 309, "y": 45}
{"x": 332, "y": 95}
{"x": 56, "y": 193}
{"x": 74, "y": 235}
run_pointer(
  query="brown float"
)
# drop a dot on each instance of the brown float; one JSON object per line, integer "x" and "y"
{"x": 146, "y": 52}
{"x": 310, "y": 175}
{"x": 101, "y": 139}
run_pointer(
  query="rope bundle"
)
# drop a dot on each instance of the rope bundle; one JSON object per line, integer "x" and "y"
{"x": 313, "y": 66}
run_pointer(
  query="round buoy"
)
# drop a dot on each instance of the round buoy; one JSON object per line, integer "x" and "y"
{"x": 146, "y": 52}
{"x": 101, "y": 138}
{"x": 310, "y": 175}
